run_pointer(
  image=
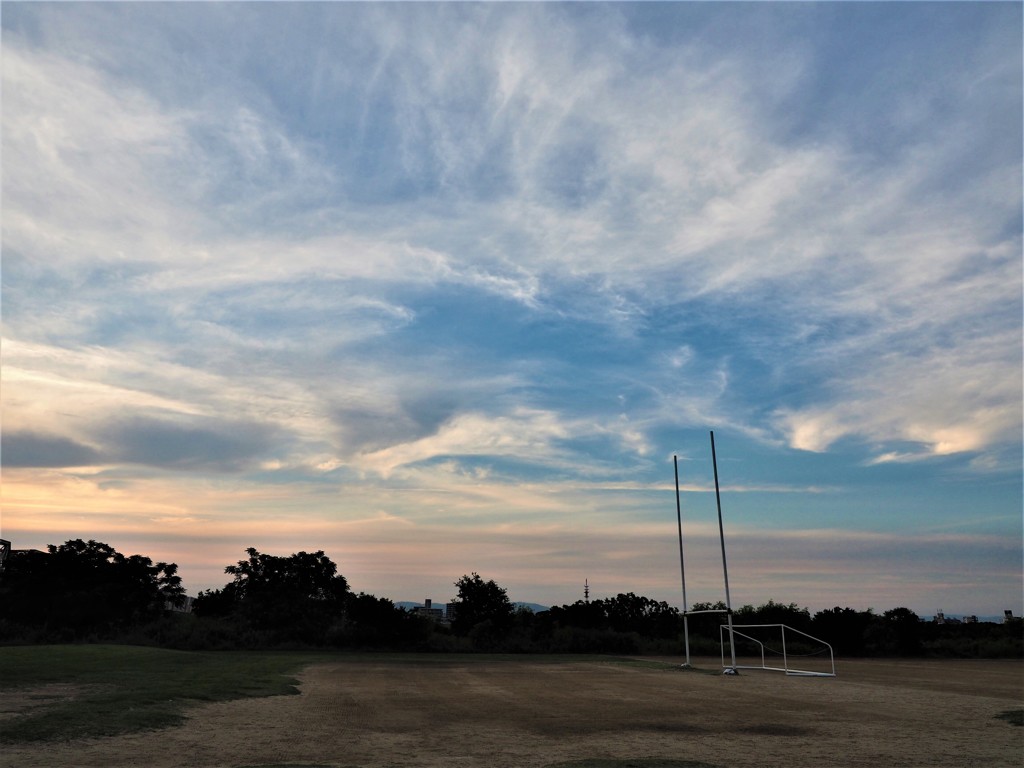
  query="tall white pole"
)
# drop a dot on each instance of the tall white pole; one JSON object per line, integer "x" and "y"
{"x": 725, "y": 567}
{"x": 682, "y": 569}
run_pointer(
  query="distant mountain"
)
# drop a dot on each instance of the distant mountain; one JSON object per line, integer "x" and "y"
{"x": 408, "y": 605}
{"x": 535, "y": 607}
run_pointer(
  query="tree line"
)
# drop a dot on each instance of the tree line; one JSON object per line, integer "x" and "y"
{"x": 88, "y": 592}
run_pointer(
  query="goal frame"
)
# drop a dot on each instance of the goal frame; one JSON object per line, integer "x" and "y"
{"x": 789, "y": 670}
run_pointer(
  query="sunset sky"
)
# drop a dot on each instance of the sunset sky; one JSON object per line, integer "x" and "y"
{"x": 442, "y": 288}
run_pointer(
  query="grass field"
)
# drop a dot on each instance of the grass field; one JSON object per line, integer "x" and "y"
{"x": 65, "y": 692}
{"x": 112, "y": 706}
{"x": 89, "y": 691}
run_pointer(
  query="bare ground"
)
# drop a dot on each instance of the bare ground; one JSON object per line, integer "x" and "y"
{"x": 529, "y": 714}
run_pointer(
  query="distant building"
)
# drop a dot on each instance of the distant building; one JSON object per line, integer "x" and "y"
{"x": 429, "y": 611}
{"x": 7, "y": 554}
{"x": 185, "y": 607}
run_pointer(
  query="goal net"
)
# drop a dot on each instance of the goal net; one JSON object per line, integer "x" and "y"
{"x": 778, "y": 648}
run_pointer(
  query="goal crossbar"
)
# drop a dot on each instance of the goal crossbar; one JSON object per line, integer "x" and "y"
{"x": 789, "y": 670}
{"x": 698, "y": 613}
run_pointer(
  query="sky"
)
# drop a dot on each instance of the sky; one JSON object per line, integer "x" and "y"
{"x": 442, "y": 288}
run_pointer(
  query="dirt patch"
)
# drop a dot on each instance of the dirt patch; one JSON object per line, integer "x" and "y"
{"x": 529, "y": 714}
{"x": 18, "y": 702}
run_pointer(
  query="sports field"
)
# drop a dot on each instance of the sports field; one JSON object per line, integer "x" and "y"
{"x": 376, "y": 711}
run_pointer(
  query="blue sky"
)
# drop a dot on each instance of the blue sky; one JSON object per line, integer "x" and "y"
{"x": 441, "y": 288}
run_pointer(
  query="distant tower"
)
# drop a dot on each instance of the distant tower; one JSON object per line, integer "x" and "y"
{"x": 586, "y": 591}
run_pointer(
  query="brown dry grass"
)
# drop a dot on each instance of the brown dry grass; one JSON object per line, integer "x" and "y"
{"x": 377, "y": 713}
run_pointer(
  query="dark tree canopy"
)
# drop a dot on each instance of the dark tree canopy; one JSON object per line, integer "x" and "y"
{"x": 290, "y": 599}
{"x": 480, "y": 601}
{"x": 626, "y": 612}
{"x": 87, "y": 590}
{"x": 86, "y": 587}
{"x": 635, "y": 613}
{"x": 775, "y": 613}
{"x": 305, "y": 575}
{"x": 897, "y": 633}
{"x": 582, "y": 614}
{"x": 844, "y": 628}
{"x": 375, "y": 622}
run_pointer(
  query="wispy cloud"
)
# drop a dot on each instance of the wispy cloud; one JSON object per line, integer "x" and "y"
{"x": 490, "y": 252}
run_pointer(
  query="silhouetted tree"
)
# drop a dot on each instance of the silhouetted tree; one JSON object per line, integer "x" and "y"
{"x": 775, "y": 613}
{"x": 294, "y": 598}
{"x": 843, "y": 628}
{"x": 897, "y": 632}
{"x": 85, "y": 587}
{"x": 584, "y": 615}
{"x": 635, "y": 613}
{"x": 375, "y": 622}
{"x": 481, "y": 601}
{"x": 706, "y": 625}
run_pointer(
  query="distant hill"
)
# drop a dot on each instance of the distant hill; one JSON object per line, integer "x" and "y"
{"x": 535, "y": 607}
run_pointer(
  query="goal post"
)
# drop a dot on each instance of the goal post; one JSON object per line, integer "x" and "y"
{"x": 798, "y": 641}
{"x": 777, "y": 648}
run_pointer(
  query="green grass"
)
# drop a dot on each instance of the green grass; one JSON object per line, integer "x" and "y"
{"x": 61, "y": 692}
{"x": 102, "y": 690}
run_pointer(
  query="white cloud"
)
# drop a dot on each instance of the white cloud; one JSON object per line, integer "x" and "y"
{"x": 545, "y": 169}
{"x": 80, "y": 158}
{"x": 524, "y": 433}
{"x": 963, "y": 398}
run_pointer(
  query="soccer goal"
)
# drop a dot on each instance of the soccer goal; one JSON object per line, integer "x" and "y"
{"x": 773, "y": 646}
{"x": 777, "y": 648}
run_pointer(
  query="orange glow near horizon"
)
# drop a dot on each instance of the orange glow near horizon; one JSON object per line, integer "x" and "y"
{"x": 400, "y": 557}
